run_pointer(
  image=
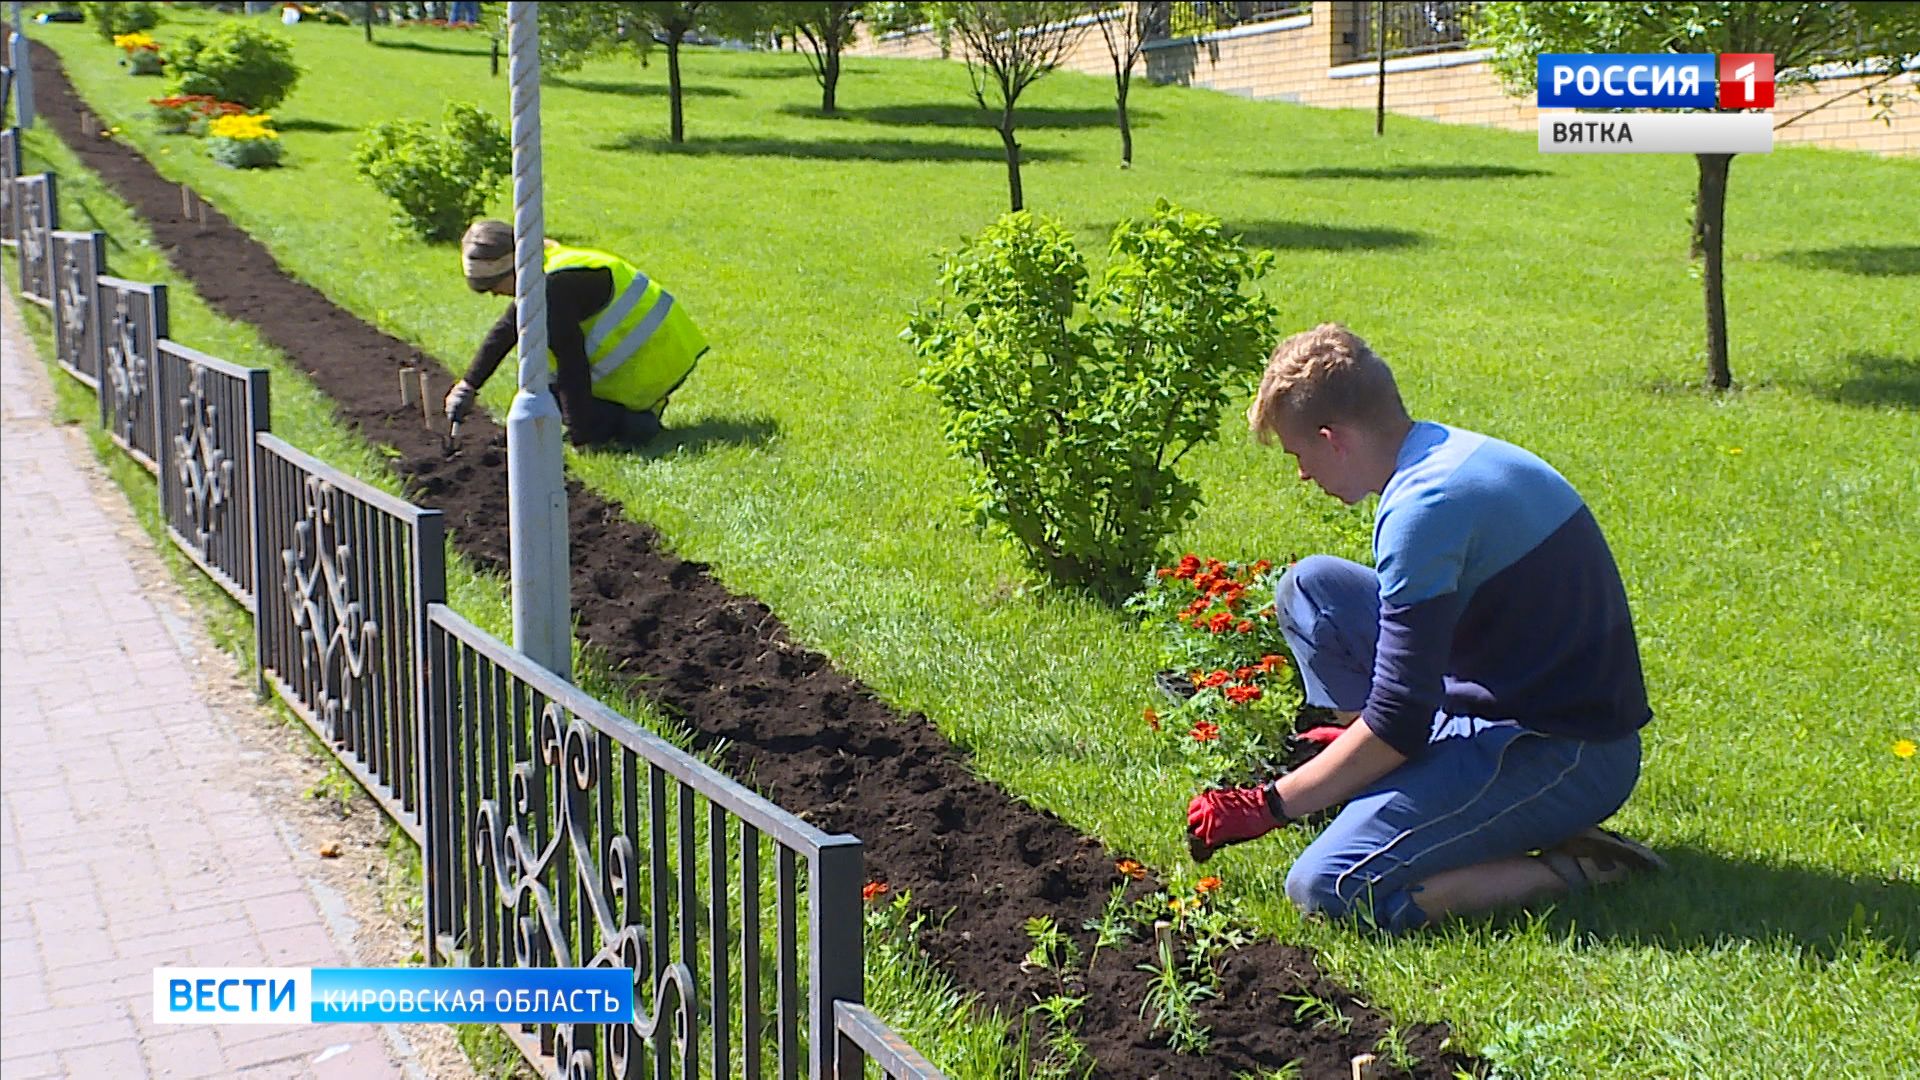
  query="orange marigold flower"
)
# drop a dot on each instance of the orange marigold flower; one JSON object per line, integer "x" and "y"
{"x": 1272, "y": 662}
{"x": 1205, "y": 731}
{"x": 1152, "y": 718}
{"x": 1207, "y": 884}
{"x": 1163, "y": 572}
{"x": 1219, "y": 622}
{"x": 1245, "y": 673}
{"x": 1188, "y": 566}
{"x": 1131, "y": 868}
{"x": 1241, "y": 695}
{"x": 874, "y": 890}
{"x": 1262, "y": 567}
{"x": 1244, "y": 626}
{"x": 1218, "y": 678}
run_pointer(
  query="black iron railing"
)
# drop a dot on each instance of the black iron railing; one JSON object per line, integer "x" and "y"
{"x": 1412, "y": 29}
{"x": 10, "y": 164}
{"x": 1169, "y": 20}
{"x": 210, "y": 412}
{"x": 132, "y": 317}
{"x": 77, "y": 260}
{"x": 346, "y": 574}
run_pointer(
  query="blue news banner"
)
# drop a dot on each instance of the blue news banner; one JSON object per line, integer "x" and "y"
{"x": 1627, "y": 81}
{"x": 236, "y": 995}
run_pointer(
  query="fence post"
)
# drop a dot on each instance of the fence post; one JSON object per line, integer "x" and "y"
{"x": 837, "y": 960}
{"x": 431, "y": 800}
{"x": 22, "y": 73}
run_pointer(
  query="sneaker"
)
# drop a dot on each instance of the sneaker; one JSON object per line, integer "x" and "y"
{"x": 1224, "y": 816}
{"x": 1599, "y": 857}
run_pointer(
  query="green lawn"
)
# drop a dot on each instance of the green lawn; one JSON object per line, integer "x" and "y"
{"x": 1765, "y": 536}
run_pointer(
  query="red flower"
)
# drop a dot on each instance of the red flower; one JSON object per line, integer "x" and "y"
{"x": 874, "y": 890}
{"x": 1220, "y": 621}
{"x": 1241, "y": 695}
{"x": 1205, "y": 731}
{"x": 1218, "y": 678}
{"x": 1207, "y": 884}
{"x": 1272, "y": 662}
{"x": 1131, "y": 868}
{"x": 1188, "y": 566}
{"x": 1261, "y": 567}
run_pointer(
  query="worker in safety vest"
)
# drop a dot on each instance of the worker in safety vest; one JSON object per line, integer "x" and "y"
{"x": 617, "y": 342}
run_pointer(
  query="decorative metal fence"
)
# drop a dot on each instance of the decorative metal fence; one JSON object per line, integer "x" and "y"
{"x": 10, "y": 164}
{"x": 346, "y": 574}
{"x": 39, "y": 215}
{"x": 132, "y": 318}
{"x": 554, "y": 831}
{"x": 1166, "y": 19}
{"x": 570, "y": 837}
{"x": 78, "y": 258}
{"x": 210, "y": 412}
{"x": 1412, "y": 28}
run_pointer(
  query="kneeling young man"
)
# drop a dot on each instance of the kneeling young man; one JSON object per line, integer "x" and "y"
{"x": 1488, "y": 655}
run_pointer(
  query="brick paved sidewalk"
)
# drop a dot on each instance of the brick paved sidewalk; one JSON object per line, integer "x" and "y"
{"x": 128, "y": 837}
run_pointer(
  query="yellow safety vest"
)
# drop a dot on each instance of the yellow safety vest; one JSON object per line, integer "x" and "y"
{"x": 641, "y": 345}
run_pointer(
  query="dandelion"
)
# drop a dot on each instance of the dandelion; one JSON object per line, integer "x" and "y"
{"x": 1903, "y": 748}
{"x": 1205, "y": 731}
{"x": 874, "y": 890}
{"x": 1207, "y": 884}
{"x": 1131, "y": 868}
{"x": 1735, "y": 451}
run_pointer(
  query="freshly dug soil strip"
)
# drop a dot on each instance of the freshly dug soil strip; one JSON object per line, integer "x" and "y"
{"x": 807, "y": 736}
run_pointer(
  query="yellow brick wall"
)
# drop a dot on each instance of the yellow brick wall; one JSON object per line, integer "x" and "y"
{"x": 1293, "y": 65}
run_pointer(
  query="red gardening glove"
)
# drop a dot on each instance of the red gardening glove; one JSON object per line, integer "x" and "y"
{"x": 1321, "y": 736}
{"x": 1220, "y": 817}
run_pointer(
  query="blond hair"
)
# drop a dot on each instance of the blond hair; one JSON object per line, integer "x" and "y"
{"x": 1323, "y": 376}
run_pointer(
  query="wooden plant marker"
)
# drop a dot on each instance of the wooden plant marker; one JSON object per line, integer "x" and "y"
{"x": 407, "y": 385}
{"x": 1365, "y": 1067}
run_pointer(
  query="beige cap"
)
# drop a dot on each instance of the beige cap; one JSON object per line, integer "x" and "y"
{"x": 486, "y": 253}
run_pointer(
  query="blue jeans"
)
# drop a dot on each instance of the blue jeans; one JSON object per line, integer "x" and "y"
{"x": 1484, "y": 789}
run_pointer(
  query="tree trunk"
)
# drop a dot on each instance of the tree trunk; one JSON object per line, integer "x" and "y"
{"x": 1126, "y": 129}
{"x": 673, "y": 87}
{"x": 1711, "y": 222}
{"x": 366, "y": 21}
{"x": 1013, "y": 161}
{"x": 1380, "y": 77}
{"x": 1696, "y": 244}
{"x": 829, "y": 77}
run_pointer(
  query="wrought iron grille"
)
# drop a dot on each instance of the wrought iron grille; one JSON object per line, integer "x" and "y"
{"x": 132, "y": 318}
{"x": 346, "y": 572}
{"x": 1412, "y": 28}
{"x": 78, "y": 259}
{"x": 210, "y": 412}
{"x": 565, "y": 835}
{"x": 1166, "y": 19}
{"x": 39, "y": 214}
{"x": 10, "y": 165}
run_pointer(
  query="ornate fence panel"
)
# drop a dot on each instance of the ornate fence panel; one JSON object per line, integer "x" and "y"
{"x": 563, "y": 835}
{"x": 39, "y": 215}
{"x": 10, "y": 164}
{"x": 346, "y": 573}
{"x": 132, "y": 318}
{"x": 79, "y": 258}
{"x": 209, "y": 414}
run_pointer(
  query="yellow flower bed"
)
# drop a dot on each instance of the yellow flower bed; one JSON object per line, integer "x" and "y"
{"x": 134, "y": 41}
{"x": 243, "y": 128}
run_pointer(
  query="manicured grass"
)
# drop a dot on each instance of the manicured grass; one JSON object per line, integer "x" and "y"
{"x": 1766, "y": 536}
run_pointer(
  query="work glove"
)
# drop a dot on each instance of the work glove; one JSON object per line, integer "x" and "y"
{"x": 1321, "y": 736}
{"x": 1222, "y": 816}
{"x": 459, "y": 402}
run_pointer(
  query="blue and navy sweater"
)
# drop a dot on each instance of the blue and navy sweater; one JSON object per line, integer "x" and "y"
{"x": 1498, "y": 598}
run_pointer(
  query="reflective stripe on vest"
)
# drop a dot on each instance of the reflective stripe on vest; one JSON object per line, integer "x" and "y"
{"x": 625, "y": 369}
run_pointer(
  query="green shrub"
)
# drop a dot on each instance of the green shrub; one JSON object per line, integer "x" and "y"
{"x": 438, "y": 181}
{"x": 1078, "y": 395}
{"x": 238, "y": 62}
{"x": 110, "y": 20}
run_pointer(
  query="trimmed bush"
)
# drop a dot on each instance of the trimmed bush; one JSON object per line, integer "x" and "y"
{"x": 237, "y": 62}
{"x": 243, "y": 142}
{"x": 438, "y": 181}
{"x": 1077, "y": 395}
{"x": 111, "y": 20}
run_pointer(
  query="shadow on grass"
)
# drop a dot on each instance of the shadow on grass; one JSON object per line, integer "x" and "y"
{"x": 327, "y": 127}
{"x": 803, "y": 71}
{"x": 827, "y": 149}
{"x": 1312, "y": 236}
{"x": 1889, "y": 260}
{"x": 1876, "y": 382}
{"x": 1706, "y": 898}
{"x": 1400, "y": 172}
{"x": 703, "y": 435}
{"x": 638, "y": 89}
{"x": 972, "y": 116}
{"x": 443, "y": 50}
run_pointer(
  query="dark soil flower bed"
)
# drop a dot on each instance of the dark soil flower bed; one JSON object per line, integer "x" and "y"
{"x": 809, "y": 737}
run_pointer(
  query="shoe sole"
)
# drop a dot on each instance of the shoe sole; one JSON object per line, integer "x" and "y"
{"x": 1607, "y": 844}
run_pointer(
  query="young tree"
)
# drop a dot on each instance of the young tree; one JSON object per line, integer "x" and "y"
{"x": 1009, "y": 47}
{"x": 1124, "y": 29}
{"x": 1798, "y": 35}
{"x": 572, "y": 32}
{"x": 827, "y": 28}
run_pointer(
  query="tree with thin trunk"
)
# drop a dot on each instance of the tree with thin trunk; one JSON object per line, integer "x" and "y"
{"x": 826, "y": 27}
{"x": 1124, "y": 29}
{"x": 1009, "y": 47}
{"x": 572, "y": 32}
{"x": 1882, "y": 37}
